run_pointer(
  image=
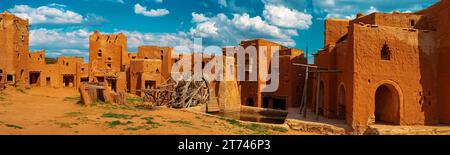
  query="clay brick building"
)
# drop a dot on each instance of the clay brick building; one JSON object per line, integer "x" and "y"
{"x": 394, "y": 68}
{"x": 149, "y": 67}
{"x": 108, "y": 60}
{"x": 19, "y": 67}
{"x": 290, "y": 82}
{"x": 14, "y": 53}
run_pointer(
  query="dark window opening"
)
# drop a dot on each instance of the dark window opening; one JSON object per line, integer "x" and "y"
{"x": 150, "y": 84}
{"x": 48, "y": 81}
{"x": 250, "y": 102}
{"x": 133, "y": 57}
{"x": 82, "y": 69}
{"x": 113, "y": 85}
{"x": 67, "y": 64}
{"x": 109, "y": 58}
{"x": 279, "y": 104}
{"x": 84, "y": 79}
{"x": 145, "y": 58}
{"x": 99, "y": 53}
{"x": 100, "y": 79}
{"x": 9, "y": 78}
{"x": 413, "y": 22}
{"x": 162, "y": 57}
{"x": 109, "y": 65}
{"x": 157, "y": 70}
{"x": 1, "y": 71}
{"x": 385, "y": 52}
{"x": 265, "y": 103}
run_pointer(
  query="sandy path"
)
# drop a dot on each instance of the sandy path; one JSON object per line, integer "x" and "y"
{"x": 54, "y": 111}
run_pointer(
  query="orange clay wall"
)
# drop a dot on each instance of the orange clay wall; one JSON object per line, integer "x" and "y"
{"x": 439, "y": 15}
{"x": 410, "y": 73}
{"x": 157, "y": 52}
{"x": 14, "y": 52}
{"x": 107, "y": 52}
{"x": 335, "y": 29}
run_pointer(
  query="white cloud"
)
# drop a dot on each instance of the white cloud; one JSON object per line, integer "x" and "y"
{"x": 59, "y": 39}
{"x": 158, "y": 1}
{"x": 285, "y": 17}
{"x": 198, "y": 17}
{"x": 47, "y": 15}
{"x": 221, "y": 30}
{"x": 139, "y": 9}
{"x": 55, "y": 14}
{"x": 205, "y": 29}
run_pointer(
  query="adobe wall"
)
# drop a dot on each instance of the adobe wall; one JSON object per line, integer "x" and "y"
{"x": 409, "y": 72}
{"x": 142, "y": 70}
{"x": 158, "y": 52}
{"x": 325, "y": 59}
{"x": 107, "y": 52}
{"x": 439, "y": 15}
{"x": 343, "y": 104}
{"x": 335, "y": 29}
{"x": 400, "y": 20}
{"x": 14, "y": 52}
{"x": 51, "y": 72}
{"x": 248, "y": 87}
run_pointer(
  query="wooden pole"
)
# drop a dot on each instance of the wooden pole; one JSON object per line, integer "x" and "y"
{"x": 305, "y": 91}
{"x": 317, "y": 95}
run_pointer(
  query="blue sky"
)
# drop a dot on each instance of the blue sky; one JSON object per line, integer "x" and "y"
{"x": 62, "y": 27}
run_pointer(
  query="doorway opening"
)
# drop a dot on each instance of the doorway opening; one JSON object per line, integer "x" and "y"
{"x": 68, "y": 80}
{"x": 279, "y": 104}
{"x": 35, "y": 78}
{"x": 387, "y": 105}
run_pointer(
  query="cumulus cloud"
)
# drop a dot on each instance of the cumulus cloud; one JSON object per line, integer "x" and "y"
{"x": 349, "y": 8}
{"x": 285, "y": 17}
{"x": 53, "y": 14}
{"x": 222, "y": 30}
{"x": 59, "y": 42}
{"x": 139, "y": 9}
{"x": 47, "y": 15}
{"x": 205, "y": 29}
{"x": 198, "y": 17}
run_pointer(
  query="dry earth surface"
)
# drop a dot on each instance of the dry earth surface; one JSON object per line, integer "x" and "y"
{"x": 49, "y": 111}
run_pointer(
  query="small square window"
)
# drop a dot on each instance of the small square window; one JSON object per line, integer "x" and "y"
{"x": 9, "y": 78}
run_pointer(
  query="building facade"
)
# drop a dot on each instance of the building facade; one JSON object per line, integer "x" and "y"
{"x": 393, "y": 68}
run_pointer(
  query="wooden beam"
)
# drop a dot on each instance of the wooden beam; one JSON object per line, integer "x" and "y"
{"x": 317, "y": 96}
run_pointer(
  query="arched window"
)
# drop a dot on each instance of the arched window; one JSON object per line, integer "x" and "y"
{"x": 99, "y": 53}
{"x": 385, "y": 52}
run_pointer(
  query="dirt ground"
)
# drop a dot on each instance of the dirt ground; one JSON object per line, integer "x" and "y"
{"x": 49, "y": 111}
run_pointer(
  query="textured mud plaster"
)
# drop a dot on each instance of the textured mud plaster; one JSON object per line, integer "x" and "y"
{"x": 412, "y": 79}
{"x": 288, "y": 94}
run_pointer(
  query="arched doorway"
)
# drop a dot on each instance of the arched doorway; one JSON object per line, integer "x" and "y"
{"x": 250, "y": 102}
{"x": 341, "y": 103}
{"x": 387, "y": 105}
